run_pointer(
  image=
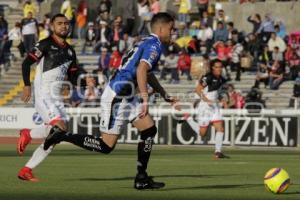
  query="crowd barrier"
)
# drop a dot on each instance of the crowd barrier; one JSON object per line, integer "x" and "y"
{"x": 269, "y": 128}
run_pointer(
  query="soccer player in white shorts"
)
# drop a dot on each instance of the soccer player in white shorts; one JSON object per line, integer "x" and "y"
{"x": 208, "y": 109}
{"x": 56, "y": 60}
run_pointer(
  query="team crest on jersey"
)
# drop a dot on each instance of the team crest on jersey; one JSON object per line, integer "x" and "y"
{"x": 153, "y": 55}
{"x": 70, "y": 52}
{"x": 37, "y": 53}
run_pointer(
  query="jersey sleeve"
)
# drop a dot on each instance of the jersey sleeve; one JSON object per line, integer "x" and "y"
{"x": 205, "y": 80}
{"x": 151, "y": 54}
{"x": 75, "y": 72}
{"x": 38, "y": 50}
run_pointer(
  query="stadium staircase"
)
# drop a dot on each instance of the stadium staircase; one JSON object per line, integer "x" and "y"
{"x": 11, "y": 84}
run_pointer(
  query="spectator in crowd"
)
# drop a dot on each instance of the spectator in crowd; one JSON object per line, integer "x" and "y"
{"x": 276, "y": 76}
{"x": 194, "y": 29}
{"x": 276, "y": 41}
{"x": 230, "y": 30}
{"x": 104, "y": 9}
{"x": 280, "y": 30}
{"x": 115, "y": 59}
{"x": 3, "y": 40}
{"x": 129, "y": 13}
{"x": 277, "y": 55}
{"x": 3, "y": 26}
{"x": 170, "y": 67}
{"x": 223, "y": 54}
{"x": 184, "y": 64}
{"x": 43, "y": 33}
{"x": 206, "y": 19}
{"x": 29, "y": 30}
{"x": 3, "y": 43}
{"x": 29, "y": 7}
{"x": 253, "y": 46}
{"x": 205, "y": 34}
{"x": 117, "y": 31}
{"x": 66, "y": 9}
{"x": 39, "y": 3}
{"x": 81, "y": 18}
{"x": 154, "y": 6}
{"x": 125, "y": 43}
{"x": 65, "y": 92}
{"x": 183, "y": 30}
{"x": 15, "y": 36}
{"x": 144, "y": 17}
{"x": 236, "y": 100}
{"x": 46, "y": 21}
{"x": 221, "y": 33}
{"x": 266, "y": 28}
{"x": 255, "y": 20}
{"x": 90, "y": 38}
{"x": 185, "y": 7}
{"x": 236, "y": 59}
{"x": 296, "y": 93}
{"x": 77, "y": 96}
{"x": 202, "y": 6}
{"x": 91, "y": 93}
{"x": 171, "y": 61}
{"x": 262, "y": 75}
{"x": 103, "y": 36}
{"x": 254, "y": 102}
{"x": 220, "y": 17}
{"x": 265, "y": 55}
{"x": 100, "y": 79}
{"x": 292, "y": 62}
{"x": 103, "y": 62}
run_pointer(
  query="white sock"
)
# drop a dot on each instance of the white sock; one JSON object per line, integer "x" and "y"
{"x": 40, "y": 132}
{"x": 219, "y": 141}
{"x": 38, "y": 156}
{"x": 194, "y": 125}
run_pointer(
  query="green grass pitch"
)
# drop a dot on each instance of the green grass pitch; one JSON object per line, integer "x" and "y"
{"x": 70, "y": 173}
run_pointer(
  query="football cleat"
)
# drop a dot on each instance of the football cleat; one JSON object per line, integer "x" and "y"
{"x": 25, "y": 174}
{"x": 220, "y": 155}
{"x": 23, "y": 141}
{"x": 143, "y": 182}
{"x": 55, "y": 136}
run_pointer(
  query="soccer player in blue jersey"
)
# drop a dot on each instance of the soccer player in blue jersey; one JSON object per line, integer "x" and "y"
{"x": 120, "y": 102}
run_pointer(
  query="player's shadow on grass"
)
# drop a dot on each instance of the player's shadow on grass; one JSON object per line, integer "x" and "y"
{"x": 159, "y": 176}
{"x": 290, "y": 193}
{"x": 213, "y": 187}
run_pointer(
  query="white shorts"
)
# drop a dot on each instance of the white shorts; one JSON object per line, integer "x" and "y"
{"x": 51, "y": 110}
{"x": 208, "y": 114}
{"x": 115, "y": 112}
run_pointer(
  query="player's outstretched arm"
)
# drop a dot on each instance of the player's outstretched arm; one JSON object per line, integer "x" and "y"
{"x": 26, "y": 78}
{"x": 154, "y": 83}
{"x": 199, "y": 91}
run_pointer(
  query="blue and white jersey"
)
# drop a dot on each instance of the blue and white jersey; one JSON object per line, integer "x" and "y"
{"x": 148, "y": 50}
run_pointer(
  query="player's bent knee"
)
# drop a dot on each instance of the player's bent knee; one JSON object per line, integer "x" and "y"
{"x": 150, "y": 132}
{"x": 107, "y": 149}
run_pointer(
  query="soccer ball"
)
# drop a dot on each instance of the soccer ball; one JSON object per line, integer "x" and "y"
{"x": 277, "y": 180}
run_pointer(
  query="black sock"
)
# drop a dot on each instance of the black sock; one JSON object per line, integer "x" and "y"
{"x": 144, "y": 148}
{"x": 88, "y": 142}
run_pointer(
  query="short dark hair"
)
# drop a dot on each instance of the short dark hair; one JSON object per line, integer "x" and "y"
{"x": 162, "y": 17}
{"x": 213, "y": 62}
{"x": 230, "y": 24}
{"x": 56, "y": 16}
